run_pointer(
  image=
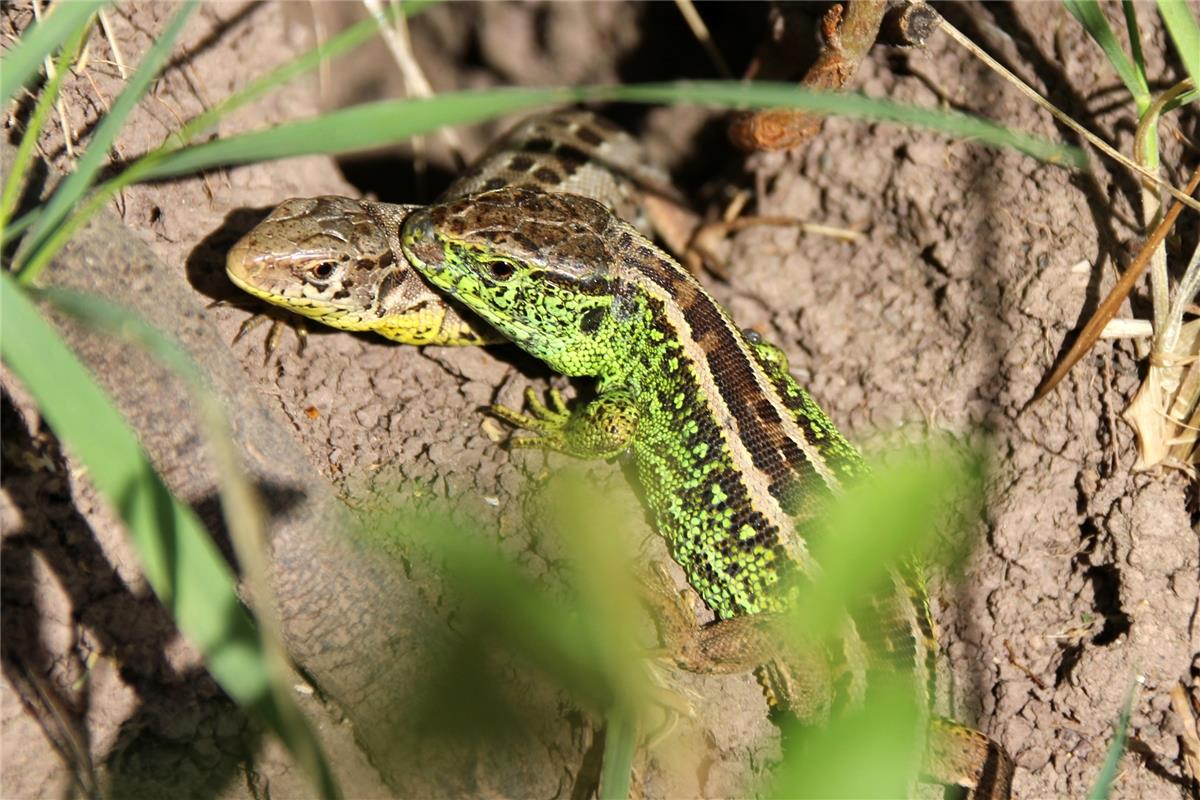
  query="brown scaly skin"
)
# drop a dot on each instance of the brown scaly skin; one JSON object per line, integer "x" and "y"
{"x": 736, "y": 459}
{"x": 336, "y": 260}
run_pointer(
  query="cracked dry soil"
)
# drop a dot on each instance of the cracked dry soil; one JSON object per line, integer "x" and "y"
{"x": 973, "y": 268}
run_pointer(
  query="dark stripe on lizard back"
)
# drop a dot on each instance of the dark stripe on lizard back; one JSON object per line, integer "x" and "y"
{"x": 842, "y": 459}
{"x": 792, "y": 480}
{"x": 697, "y": 430}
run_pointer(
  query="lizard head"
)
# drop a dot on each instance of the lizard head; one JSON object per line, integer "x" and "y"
{"x": 322, "y": 257}
{"x": 333, "y": 259}
{"x": 534, "y": 265}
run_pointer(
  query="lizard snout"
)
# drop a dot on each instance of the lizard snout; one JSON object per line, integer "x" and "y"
{"x": 244, "y": 263}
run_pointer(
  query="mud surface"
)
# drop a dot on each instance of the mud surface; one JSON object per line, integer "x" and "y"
{"x": 973, "y": 268}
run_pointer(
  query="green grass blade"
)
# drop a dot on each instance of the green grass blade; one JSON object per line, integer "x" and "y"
{"x": 22, "y": 62}
{"x": 21, "y": 223}
{"x": 73, "y": 187}
{"x": 180, "y": 561}
{"x": 1089, "y": 15}
{"x": 620, "y": 744}
{"x": 376, "y": 124}
{"x": 344, "y": 41}
{"x": 92, "y": 428}
{"x": 29, "y": 137}
{"x": 735, "y": 95}
{"x": 1185, "y": 33}
{"x": 1102, "y": 788}
{"x": 1135, "y": 40}
{"x": 356, "y": 128}
{"x": 340, "y": 43}
{"x": 1183, "y": 99}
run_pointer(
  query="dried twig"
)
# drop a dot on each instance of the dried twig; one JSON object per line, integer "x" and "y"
{"x": 1187, "y": 711}
{"x": 692, "y": 17}
{"x": 1109, "y": 306}
{"x": 112, "y": 44}
{"x": 908, "y": 25}
{"x": 398, "y": 42}
{"x": 847, "y": 41}
{"x": 60, "y": 107}
{"x": 1016, "y": 662}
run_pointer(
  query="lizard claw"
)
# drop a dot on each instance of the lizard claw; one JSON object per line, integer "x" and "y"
{"x": 275, "y": 334}
{"x": 545, "y": 422}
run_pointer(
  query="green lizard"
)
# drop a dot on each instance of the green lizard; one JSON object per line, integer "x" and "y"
{"x": 734, "y": 457}
{"x": 337, "y": 260}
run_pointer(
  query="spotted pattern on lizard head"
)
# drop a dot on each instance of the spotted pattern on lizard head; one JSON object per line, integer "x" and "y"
{"x": 317, "y": 251}
{"x": 330, "y": 259}
{"x": 571, "y": 296}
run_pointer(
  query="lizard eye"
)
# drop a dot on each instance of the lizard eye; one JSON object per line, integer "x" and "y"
{"x": 323, "y": 270}
{"x": 500, "y": 270}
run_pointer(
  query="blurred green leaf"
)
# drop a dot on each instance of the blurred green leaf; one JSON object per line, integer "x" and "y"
{"x": 873, "y": 751}
{"x": 879, "y": 530}
{"x": 620, "y": 744}
{"x": 578, "y": 646}
{"x": 893, "y": 514}
{"x": 24, "y": 59}
{"x": 582, "y": 636}
{"x": 1102, "y": 788}
{"x": 179, "y": 559}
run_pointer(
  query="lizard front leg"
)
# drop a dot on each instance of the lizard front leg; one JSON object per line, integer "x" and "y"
{"x": 604, "y": 428}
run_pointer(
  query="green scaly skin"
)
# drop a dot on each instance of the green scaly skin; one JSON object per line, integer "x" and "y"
{"x": 653, "y": 398}
{"x": 735, "y": 458}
